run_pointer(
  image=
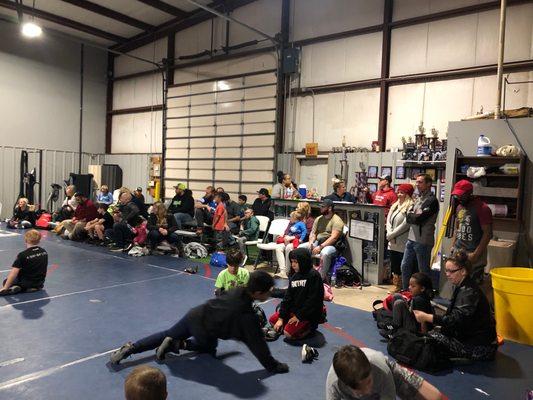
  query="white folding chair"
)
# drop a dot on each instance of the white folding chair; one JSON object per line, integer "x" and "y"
{"x": 263, "y": 226}
{"x": 277, "y": 227}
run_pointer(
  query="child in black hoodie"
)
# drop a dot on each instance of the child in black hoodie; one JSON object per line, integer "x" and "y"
{"x": 229, "y": 316}
{"x": 302, "y": 308}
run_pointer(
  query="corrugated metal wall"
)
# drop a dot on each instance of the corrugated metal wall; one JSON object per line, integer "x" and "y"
{"x": 135, "y": 170}
{"x": 57, "y": 165}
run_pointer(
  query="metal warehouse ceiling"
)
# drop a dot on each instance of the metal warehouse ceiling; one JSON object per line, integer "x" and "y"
{"x": 122, "y": 24}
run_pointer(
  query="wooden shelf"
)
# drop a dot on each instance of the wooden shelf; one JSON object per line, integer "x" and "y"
{"x": 424, "y": 164}
{"x": 490, "y": 160}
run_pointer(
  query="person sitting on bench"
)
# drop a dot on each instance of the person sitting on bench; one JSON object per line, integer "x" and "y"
{"x": 182, "y": 205}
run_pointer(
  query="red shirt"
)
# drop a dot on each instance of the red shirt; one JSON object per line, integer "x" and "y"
{"x": 219, "y": 219}
{"x": 86, "y": 211}
{"x": 386, "y": 198}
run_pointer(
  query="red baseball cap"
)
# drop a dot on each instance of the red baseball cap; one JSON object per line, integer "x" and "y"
{"x": 462, "y": 187}
{"x": 406, "y": 188}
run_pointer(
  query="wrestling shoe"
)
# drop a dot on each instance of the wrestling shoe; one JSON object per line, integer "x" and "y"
{"x": 271, "y": 334}
{"x": 309, "y": 353}
{"x": 169, "y": 345}
{"x": 122, "y": 353}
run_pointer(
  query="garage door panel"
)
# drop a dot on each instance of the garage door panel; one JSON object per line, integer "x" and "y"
{"x": 202, "y": 142}
{"x": 177, "y": 123}
{"x": 257, "y": 176}
{"x": 229, "y": 153}
{"x": 262, "y": 140}
{"x": 267, "y": 127}
{"x": 229, "y": 141}
{"x": 264, "y": 91}
{"x": 179, "y": 174}
{"x": 227, "y": 164}
{"x": 202, "y": 87}
{"x": 179, "y": 102}
{"x": 176, "y": 164}
{"x": 178, "y": 144}
{"x": 235, "y": 107}
{"x": 200, "y": 164}
{"x": 260, "y": 79}
{"x": 203, "y": 99}
{"x": 261, "y": 104}
{"x": 177, "y": 133}
{"x": 263, "y": 116}
{"x": 226, "y": 175}
{"x": 258, "y": 164}
{"x": 253, "y": 152}
{"x": 203, "y": 110}
{"x": 229, "y": 119}
{"x": 203, "y": 121}
{"x": 178, "y": 112}
{"x": 234, "y": 95}
{"x": 234, "y": 129}
{"x": 202, "y": 131}
{"x": 177, "y": 153}
{"x": 201, "y": 153}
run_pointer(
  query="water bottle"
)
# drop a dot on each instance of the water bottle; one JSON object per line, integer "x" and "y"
{"x": 484, "y": 148}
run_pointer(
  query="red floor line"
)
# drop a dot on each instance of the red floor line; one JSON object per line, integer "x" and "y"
{"x": 207, "y": 272}
{"x": 52, "y": 268}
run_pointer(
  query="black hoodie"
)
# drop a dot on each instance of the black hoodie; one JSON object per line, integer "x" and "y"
{"x": 305, "y": 295}
{"x": 231, "y": 316}
{"x": 182, "y": 203}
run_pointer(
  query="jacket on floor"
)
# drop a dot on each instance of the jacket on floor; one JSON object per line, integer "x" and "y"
{"x": 468, "y": 318}
{"x": 231, "y": 316}
{"x": 305, "y": 295}
{"x": 169, "y": 224}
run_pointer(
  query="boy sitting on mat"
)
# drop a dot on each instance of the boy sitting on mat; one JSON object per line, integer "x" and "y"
{"x": 234, "y": 275}
{"x": 29, "y": 269}
{"x": 229, "y": 316}
{"x": 302, "y": 308}
{"x": 368, "y": 374}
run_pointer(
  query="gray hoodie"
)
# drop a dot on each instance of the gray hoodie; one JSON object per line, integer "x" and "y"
{"x": 422, "y": 217}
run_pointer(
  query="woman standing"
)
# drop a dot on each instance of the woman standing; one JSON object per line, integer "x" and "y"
{"x": 397, "y": 232}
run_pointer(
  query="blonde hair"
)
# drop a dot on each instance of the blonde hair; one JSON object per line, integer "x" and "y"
{"x": 104, "y": 187}
{"x": 297, "y": 215}
{"x": 304, "y": 208}
{"x": 160, "y": 211}
{"x": 32, "y": 237}
{"x": 407, "y": 203}
{"x": 24, "y": 199}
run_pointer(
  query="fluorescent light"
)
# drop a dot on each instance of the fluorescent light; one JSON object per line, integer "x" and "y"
{"x": 31, "y": 30}
{"x": 222, "y": 85}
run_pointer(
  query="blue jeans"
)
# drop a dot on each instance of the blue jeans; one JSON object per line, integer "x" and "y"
{"x": 182, "y": 218}
{"x": 422, "y": 253}
{"x": 179, "y": 331}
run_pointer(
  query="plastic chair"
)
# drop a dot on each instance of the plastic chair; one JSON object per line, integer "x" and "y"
{"x": 277, "y": 228}
{"x": 263, "y": 226}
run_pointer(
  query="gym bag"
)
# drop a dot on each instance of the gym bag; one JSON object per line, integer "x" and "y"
{"x": 417, "y": 350}
{"x": 347, "y": 275}
{"x": 43, "y": 221}
{"x": 383, "y": 314}
{"x": 218, "y": 259}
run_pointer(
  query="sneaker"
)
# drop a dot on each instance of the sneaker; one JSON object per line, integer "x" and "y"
{"x": 128, "y": 247}
{"x": 271, "y": 334}
{"x": 169, "y": 345}
{"x": 191, "y": 270}
{"x": 309, "y": 354}
{"x": 116, "y": 249}
{"x": 122, "y": 353}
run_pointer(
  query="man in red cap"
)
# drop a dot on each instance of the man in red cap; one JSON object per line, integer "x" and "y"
{"x": 473, "y": 227}
{"x": 385, "y": 195}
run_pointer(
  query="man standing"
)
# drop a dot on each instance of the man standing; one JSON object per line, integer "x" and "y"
{"x": 327, "y": 230}
{"x": 421, "y": 218}
{"x": 262, "y": 204}
{"x": 385, "y": 195}
{"x": 473, "y": 227}
{"x": 182, "y": 205}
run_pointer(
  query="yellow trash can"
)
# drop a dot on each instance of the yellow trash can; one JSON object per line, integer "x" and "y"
{"x": 513, "y": 301}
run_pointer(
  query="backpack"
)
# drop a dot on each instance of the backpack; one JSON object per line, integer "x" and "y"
{"x": 383, "y": 315}
{"x": 218, "y": 259}
{"x": 347, "y": 275}
{"x": 417, "y": 351}
{"x": 43, "y": 221}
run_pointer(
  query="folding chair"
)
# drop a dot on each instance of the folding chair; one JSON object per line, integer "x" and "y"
{"x": 263, "y": 226}
{"x": 277, "y": 228}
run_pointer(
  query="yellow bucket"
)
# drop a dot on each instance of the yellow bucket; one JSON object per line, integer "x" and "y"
{"x": 513, "y": 301}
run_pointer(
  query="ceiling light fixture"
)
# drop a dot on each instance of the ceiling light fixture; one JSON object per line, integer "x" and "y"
{"x": 31, "y": 30}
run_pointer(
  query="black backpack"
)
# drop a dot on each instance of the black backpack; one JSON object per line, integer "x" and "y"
{"x": 417, "y": 350}
{"x": 347, "y": 275}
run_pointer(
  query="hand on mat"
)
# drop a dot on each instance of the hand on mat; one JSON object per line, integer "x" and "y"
{"x": 294, "y": 320}
{"x": 278, "y": 326}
